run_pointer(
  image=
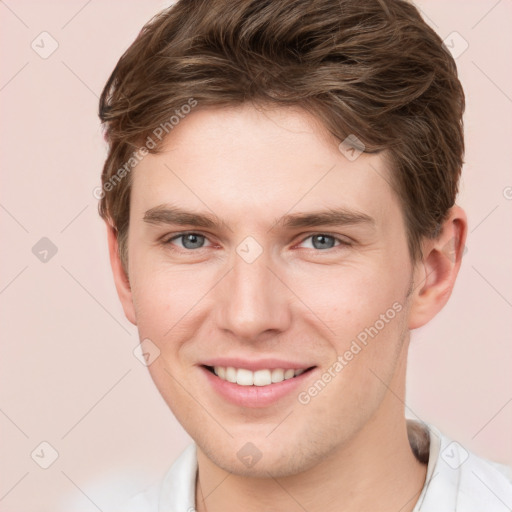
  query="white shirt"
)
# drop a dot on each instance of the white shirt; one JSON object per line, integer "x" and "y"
{"x": 456, "y": 480}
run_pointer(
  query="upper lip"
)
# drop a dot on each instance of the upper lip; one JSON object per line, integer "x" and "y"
{"x": 254, "y": 365}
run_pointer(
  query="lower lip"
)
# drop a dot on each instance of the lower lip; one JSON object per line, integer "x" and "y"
{"x": 254, "y": 396}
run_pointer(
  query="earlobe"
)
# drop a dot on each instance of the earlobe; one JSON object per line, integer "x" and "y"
{"x": 120, "y": 278}
{"x": 434, "y": 277}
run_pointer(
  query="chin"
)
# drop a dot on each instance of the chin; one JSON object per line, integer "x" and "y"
{"x": 262, "y": 457}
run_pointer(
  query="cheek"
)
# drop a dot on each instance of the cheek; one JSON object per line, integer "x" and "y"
{"x": 348, "y": 299}
{"x": 162, "y": 297}
{"x": 361, "y": 370}
{"x": 362, "y": 314}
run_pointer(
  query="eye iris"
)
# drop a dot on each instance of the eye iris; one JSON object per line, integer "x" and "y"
{"x": 322, "y": 239}
{"x": 194, "y": 239}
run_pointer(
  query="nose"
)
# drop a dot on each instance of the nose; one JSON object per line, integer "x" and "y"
{"x": 253, "y": 301}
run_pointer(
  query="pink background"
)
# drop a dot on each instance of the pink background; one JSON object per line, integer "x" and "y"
{"x": 68, "y": 373}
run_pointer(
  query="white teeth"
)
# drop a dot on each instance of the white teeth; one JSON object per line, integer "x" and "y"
{"x": 277, "y": 375}
{"x": 288, "y": 374}
{"x": 245, "y": 377}
{"x": 220, "y": 371}
{"x": 230, "y": 374}
{"x": 262, "y": 378}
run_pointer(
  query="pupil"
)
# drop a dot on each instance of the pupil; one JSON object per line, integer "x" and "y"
{"x": 192, "y": 239}
{"x": 322, "y": 239}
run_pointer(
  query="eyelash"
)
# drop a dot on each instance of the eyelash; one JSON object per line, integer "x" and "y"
{"x": 342, "y": 242}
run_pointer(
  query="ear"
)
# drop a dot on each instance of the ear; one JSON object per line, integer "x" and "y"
{"x": 120, "y": 278}
{"x": 434, "y": 276}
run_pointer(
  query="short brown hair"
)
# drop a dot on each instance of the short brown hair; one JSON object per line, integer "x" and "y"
{"x": 369, "y": 68}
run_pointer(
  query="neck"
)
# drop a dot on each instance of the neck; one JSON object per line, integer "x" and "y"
{"x": 377, "y": 470}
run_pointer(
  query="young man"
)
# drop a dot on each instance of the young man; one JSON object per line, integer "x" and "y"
{"x": 280, "y": 201}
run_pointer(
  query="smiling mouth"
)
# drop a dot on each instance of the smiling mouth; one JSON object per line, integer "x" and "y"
{"x": 264, "y": 377}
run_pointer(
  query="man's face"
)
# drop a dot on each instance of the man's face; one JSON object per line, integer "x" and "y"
{"x": 256, "y": 290}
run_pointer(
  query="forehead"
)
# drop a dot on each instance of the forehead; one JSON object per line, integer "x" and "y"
{"x": 243, "y": 164}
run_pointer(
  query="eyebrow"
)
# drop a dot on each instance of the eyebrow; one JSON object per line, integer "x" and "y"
{"x": 166, "y": 214}
{"x": 329, "y": 217}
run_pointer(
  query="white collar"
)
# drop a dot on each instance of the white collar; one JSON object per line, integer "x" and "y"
{"x": 456, "y": 480}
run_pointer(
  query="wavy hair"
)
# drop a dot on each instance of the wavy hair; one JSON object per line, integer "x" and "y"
{"x": 372, "y": 68}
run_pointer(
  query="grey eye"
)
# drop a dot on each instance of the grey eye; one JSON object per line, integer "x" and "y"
{"x": 322, "y": 241}
{"x": 191, "y": 240}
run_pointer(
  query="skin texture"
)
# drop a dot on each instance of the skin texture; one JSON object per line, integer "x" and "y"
{"x": 346, "y": 449}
